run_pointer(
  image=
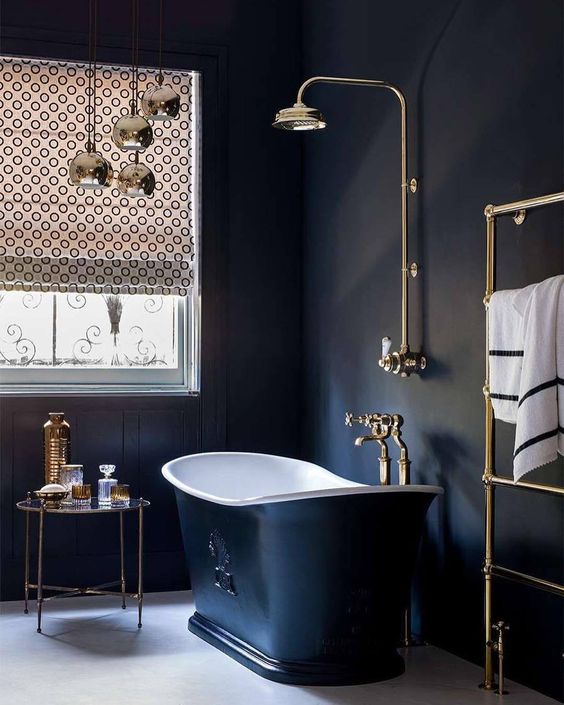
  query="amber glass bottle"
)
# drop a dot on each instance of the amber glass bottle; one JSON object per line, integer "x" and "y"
{"x": 56, "y": 446}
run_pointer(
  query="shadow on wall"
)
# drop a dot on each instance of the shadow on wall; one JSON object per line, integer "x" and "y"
{"x": 444, "y": 456}
{"x": 435, "y": 369}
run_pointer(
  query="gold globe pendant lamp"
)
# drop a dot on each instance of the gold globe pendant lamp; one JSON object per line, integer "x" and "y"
{"x": 160, "y": 102}
{"x": 132, "y": 132}
{"x": 89, "y": 169}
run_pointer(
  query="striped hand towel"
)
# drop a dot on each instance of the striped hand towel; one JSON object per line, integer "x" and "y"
{"x": 506, "y": 340}
{"x": 539, "y": 435}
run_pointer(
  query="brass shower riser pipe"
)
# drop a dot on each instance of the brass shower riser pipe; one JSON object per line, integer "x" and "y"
{"x": 525, "y": 579}
{"x": 533, "y": 486}
{"x": 405, "y": 271}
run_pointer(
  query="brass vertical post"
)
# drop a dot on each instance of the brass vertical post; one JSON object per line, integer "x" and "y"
{"x": 384, "y": 462}
{"x": 501, "y": 628}
{"x": 122, "y": 561}
{"x": 407, "y": 639}
{"x": 140, "y": 564}
{"x": 40, "y": 565}
{"x": 489, "y": 488}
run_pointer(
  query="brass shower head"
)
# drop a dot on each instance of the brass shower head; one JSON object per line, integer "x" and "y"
{"x": 299, "y": 117}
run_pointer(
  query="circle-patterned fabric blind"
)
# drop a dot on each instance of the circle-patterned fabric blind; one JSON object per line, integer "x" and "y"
{"x": 55, "y": 237}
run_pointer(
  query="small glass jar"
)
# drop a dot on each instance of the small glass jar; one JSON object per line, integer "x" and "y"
{"x": 105, "y": 485}
{"x": 81, "y": 496}
{"x": 70, "y": 475}
{"x": 120, "y": 496}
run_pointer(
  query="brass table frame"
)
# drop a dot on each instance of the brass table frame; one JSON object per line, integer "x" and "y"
{"x": 40, "y": 507}
{"x": 490, "y": 478}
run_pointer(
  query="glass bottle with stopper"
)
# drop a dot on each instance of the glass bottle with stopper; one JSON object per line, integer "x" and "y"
{"x": 105, "y": 485}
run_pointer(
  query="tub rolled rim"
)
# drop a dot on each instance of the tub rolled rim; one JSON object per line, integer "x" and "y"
{"x": 347, "y": 487}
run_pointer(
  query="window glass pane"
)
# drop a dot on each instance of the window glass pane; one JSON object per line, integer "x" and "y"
{"x": 88, "y": 331}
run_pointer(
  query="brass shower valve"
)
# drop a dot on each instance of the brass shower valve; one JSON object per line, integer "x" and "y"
{"x": 403, "y": 362}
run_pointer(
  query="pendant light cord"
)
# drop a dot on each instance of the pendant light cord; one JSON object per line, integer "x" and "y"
{"x": 90, "y": 56}
{"x": 134, "y": 55}
{"x": 95, "y": 70}
{"x": 160, "y": 76}
{"x": 133, "y": 103}
{"x": 136, "y": 52}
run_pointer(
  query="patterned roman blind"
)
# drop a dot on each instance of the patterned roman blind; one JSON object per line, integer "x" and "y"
{"x": 55, "y": 237}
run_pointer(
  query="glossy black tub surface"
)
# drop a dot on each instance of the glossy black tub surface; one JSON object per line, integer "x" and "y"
{"x": 306, "y": 591}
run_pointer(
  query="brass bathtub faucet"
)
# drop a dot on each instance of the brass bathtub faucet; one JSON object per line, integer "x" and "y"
{"x": 383, "y": 426}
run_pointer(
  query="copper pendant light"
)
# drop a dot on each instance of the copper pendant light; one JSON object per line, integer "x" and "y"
{"x": 160, "y": 102}
{"x": 89, "y": 169}
{"x": 136, "y": 180}
{"x": 132, "y": 132}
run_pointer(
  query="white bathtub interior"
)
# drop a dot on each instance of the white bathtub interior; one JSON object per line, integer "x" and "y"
{"x": 254, "y": 478}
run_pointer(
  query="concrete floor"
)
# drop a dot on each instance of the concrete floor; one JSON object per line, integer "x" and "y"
{"x": 91, "y": 651}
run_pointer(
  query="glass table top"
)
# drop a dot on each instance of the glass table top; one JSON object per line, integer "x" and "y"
{"x": 34, "y": 505}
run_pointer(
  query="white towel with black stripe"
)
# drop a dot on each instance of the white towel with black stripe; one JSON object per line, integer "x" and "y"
{"x": 539, "y": 435}
{"x": 506, "y": 340}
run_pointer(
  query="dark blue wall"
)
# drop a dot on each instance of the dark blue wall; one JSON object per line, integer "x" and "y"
{"x": 252, "y": 270}
{"x": 483, "y": 80}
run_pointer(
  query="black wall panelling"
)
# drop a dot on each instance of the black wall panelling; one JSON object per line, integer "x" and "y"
{"x": 484, "y": 86}
{"x": 139, "y": 436}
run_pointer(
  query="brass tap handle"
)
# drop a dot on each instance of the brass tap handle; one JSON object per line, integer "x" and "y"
{"x": 375, "y": 421}
{"x": 403, "y": 362}
{"x": 500, "y": 627}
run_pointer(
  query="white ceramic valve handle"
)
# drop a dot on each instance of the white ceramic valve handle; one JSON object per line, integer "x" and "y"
{"x": 386, "y": 345}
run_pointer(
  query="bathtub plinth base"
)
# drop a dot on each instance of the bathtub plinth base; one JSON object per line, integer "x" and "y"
{"x": 381, "y": 666}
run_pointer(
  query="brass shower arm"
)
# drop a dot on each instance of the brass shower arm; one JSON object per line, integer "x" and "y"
{"x": 354, "y": 82}
{"x": 404, "y": 362}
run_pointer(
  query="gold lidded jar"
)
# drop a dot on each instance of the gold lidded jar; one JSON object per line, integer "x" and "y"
{"x": 56, "y": 445}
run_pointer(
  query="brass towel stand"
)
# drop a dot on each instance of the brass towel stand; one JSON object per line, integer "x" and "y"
{"x": 490, "y": 478}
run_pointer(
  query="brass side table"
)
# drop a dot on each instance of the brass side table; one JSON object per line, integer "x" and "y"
{"x": 39, "y": 506}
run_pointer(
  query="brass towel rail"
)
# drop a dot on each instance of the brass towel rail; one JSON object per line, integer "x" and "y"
{"x": 490, "y": 478}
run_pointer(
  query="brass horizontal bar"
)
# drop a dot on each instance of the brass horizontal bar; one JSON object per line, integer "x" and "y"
{"x": 88, "y": 591}
{"x": 63, "y": 588}
{"x": 526, "y": 204}
{"x": 534, "y": 486}
{"x": 526, "y": 579}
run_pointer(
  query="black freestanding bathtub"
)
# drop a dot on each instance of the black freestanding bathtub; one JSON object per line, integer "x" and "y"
{"x": 297, "y": 573}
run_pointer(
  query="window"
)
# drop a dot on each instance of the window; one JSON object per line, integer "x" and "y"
{"x": 98, "y": 293}
{"x": 97, "y": 342}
